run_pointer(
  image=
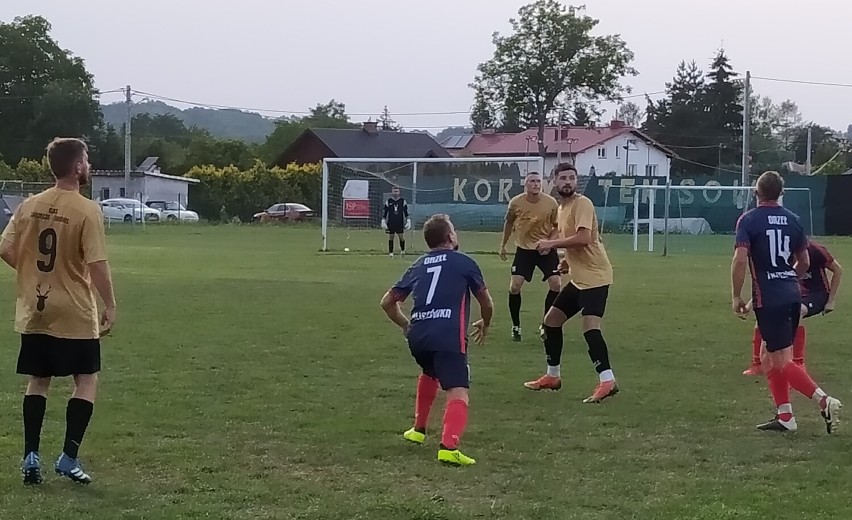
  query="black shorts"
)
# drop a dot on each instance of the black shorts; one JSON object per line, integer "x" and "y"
{"x": 815, "y": 303}
{"x": 46, "y": 356}
{"x": 395, "y": 227}
{"x": 591, "y": 302}
{"x": 449, "y": 367}
{"x": 526, "y": 260}
{"x": 778, "y": 325}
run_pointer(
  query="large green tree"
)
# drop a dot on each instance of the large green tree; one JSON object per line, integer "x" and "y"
{"x": 724, "y": 111}
{"x": 677, "y": 119}
{"x": 700, "y": 117}
{"x": 45, "y": 91}
{"x": 550, "y": 63}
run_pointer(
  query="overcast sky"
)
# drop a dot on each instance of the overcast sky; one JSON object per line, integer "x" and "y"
{"x": 419, "y": 57}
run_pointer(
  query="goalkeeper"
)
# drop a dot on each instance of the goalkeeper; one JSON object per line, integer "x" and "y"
{"x": 395, "y": 219}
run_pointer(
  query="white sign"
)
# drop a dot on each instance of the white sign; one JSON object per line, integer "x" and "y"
{"x": 356, "y": 189}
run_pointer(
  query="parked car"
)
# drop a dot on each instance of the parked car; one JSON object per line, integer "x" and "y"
{"x": 173, "y": 211}
{"x": 285, "y": 212}
{"x": 128, "y": 210}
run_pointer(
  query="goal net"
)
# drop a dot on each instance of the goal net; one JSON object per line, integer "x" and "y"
{"x": 473, "y": 191}
{"x": 671, "y": 219}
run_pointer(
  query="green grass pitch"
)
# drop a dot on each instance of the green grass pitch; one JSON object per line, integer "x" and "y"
{"x": 250, "y": 376}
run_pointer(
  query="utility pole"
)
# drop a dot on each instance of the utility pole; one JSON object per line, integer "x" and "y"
{"x": 810, "y": 146}
{"x": 746, "y": 129}
{"x": 127, "y": 102}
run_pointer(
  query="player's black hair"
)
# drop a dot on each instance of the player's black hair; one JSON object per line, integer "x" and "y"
{"x": 770, "y": 186}
{"x": 436, "y": 230}
{"x": 63, "y": 153}
{"x": 564, "y": 167}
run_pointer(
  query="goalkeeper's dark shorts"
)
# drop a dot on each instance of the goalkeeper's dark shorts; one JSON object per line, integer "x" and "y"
{"x": 395, "y": 227}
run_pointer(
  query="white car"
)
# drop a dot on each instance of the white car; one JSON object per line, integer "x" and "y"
{"x": 128, "y": 210}
{"x": 173, "y": 211}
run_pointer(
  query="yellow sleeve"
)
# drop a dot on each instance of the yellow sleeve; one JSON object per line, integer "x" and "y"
{"x": 94, "y": 237}
{"x": 554, "y": 215}
{"x": 512, "y": 210}
{"x": 11, "y": 232}
{"x": 584, "y": 214}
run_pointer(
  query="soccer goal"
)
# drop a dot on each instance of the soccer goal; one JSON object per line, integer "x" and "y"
{"x": 473, "y": 191}
{"x": 687, "y": 216}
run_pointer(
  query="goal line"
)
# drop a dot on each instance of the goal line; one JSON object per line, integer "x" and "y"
{"x": 694, "y": 225}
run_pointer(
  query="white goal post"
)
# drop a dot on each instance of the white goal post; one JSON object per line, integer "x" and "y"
{"x": 690, "y": 225}
{"x": 372, "y": 175}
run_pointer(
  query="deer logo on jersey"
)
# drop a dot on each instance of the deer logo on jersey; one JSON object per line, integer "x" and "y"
{"x": 42, "y": 298}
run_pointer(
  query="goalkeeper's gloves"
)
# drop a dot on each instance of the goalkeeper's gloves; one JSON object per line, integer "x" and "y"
{"x": 408, "y": 223}
{"x": 384, "y": 224}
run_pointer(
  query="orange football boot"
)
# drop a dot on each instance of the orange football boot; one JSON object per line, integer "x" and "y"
{"x": 545, "y": 382}
{"x": 602, "y": 391}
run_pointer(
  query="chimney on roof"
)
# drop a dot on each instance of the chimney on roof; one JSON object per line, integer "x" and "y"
{"x": 371, "y": 127}
{"x": 615, "y": 124}
{"x": 487, "y": 131}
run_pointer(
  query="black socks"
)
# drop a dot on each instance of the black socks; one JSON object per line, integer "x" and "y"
{"x": 77, "y": 416}
{"x": 553, "y": 345}
{"x": 515, "y": 308}
{"x": 598, "y": 352}
{"x": 34, "y": 407}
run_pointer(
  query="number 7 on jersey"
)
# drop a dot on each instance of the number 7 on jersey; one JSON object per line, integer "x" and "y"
{"x": 436, "y": 274}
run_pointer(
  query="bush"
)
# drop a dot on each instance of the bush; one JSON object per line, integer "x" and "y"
{"x": 225, "y": 193}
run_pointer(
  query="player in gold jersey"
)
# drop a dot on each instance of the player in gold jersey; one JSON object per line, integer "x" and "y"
{"x": 55, "y": 243}
{"x": 590, "y": 275}
{"x": 531, "y": 216}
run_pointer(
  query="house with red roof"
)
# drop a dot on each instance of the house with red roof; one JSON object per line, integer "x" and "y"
{"x": 615, "y": 149}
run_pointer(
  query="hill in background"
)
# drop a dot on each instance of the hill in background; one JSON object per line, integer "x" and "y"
{"x": 226, "y": 123}
{"x": 223, "y": 123}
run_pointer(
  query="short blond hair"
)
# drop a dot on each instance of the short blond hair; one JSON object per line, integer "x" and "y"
{"x": 437, "y": 229}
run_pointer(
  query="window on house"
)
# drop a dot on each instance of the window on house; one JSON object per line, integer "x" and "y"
{"x": 602, "y": 152}
{"x": 104, "y": 193}
{"x": 631, "y": 169}
{"x": 617, "y": 151}
{"x": 121, "y": 192}
{"x": 650, "y": 170}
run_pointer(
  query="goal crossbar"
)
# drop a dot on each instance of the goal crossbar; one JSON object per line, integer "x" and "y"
{"x": 668, "y": 188}
{"x": 414, "y": 161}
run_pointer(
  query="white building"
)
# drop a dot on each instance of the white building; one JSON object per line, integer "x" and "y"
{"x": 615, "y": 149}
{"x": 147, "y": 182}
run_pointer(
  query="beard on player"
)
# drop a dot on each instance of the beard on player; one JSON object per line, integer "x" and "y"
{"x": 566, "y": 191}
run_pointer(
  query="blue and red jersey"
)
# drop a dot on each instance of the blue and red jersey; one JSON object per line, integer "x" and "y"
{"x": 816, "y": 280}
{"x": 442, "y": 282}
{"x": 773, "y": 235}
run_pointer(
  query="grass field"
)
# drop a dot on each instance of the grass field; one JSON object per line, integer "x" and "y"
{"x": 251, "y": 377}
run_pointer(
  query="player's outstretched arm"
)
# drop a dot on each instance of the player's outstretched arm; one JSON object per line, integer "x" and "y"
{"x": 93, "y": 243}
{"x": 803, "y": 262}
{"x": 486, "y": 310}
{"x": 738, "y": 273}
{"x": 102, "y": 280}
{"x": 8, "y": 244}
{"x": 7, "y": 253}
{"x": 508, "y": 224}
{"x": 834, "y": 285}
{"x": 390, "y": 304}
{"x": 581, "y": 238}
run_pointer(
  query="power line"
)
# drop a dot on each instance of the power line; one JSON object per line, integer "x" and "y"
{"x": 363, "y": 114}
{"x": 805, "y": 82}
{"x": 294, "y": 112}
